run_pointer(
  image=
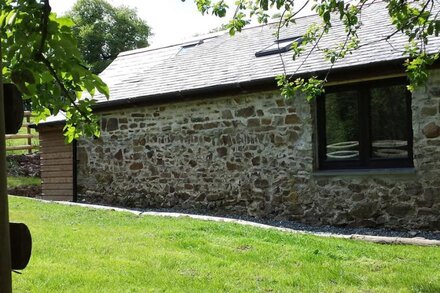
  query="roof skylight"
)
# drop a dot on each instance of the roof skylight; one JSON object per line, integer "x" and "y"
{"x": 279, "y": 46}
{"x": 187, "y": 46}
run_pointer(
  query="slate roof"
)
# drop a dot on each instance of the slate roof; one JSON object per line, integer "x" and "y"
{"x": 224, "y": 60}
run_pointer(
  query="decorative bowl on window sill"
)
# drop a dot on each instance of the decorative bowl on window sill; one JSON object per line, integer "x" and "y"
{"x": 343, "y": 154}
{"x": 343, "y": 150}
{"x": 390, "y": 143}
{"x": 391, "y": 153}
{"x": 390, "y": 148}
{"x": 343, "y": 145}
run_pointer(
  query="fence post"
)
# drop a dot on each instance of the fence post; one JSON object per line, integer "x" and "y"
{"x": 28, "y": 121}
{"x": 20, "y": 136}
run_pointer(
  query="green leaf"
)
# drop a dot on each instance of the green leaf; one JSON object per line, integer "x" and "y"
{"x": 65, "y": 21}
{"x": 102, "y": 88}
{"x": 326, "y": 16}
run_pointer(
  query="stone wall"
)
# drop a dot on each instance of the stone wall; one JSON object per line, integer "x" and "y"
{"x": 237, "y": 155}
{"x": 254, "y": 155}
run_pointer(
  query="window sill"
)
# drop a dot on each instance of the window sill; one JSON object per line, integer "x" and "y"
{"x": 365, "y": 172}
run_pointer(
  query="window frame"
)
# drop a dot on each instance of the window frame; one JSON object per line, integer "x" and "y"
{"x": 277, "y": 48}
{"x": 362, "y": 90}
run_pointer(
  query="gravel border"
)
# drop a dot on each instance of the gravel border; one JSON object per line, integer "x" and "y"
{"x": 422, "y": 238}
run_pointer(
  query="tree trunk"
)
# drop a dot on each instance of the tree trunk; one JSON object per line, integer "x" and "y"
{"x": 5, "y": 245}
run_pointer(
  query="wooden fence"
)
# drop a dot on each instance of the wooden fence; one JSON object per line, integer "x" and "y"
{"x": 27, "y": 134}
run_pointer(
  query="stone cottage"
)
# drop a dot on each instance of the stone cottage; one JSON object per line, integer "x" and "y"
{"x": 201, "y": 126}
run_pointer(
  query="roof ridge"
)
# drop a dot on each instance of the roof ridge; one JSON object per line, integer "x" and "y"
{"x": 220, "y": 33}
{"x": 189, "y": 40}
{"x": 201, "y": 37}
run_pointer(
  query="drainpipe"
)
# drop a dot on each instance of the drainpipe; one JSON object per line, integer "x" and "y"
{"x": 75, "y": 170}
{"x": 5, "y": 245}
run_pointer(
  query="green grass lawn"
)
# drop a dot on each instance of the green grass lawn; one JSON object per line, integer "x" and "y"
{"x": 23, "y": 181}
{"x": 84, "y": 250}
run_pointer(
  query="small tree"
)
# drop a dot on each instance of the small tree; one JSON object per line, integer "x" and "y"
{"x": 103, "y": 31}
{"x": 39, "y": 55}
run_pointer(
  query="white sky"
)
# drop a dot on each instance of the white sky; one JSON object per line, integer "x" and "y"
{"x": 171, "y": 20}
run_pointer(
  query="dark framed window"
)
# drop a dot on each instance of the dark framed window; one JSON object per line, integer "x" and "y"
{"x": 365, "y": 125}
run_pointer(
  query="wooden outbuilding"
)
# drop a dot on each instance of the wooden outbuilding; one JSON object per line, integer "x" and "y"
{"x": 57, "y": 163}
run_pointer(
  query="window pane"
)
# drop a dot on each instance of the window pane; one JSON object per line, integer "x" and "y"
{"x": 389, "y": 137}
{"x": 342, "y": 126}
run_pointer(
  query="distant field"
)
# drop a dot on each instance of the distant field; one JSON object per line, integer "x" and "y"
{"x": 23, "y": 181}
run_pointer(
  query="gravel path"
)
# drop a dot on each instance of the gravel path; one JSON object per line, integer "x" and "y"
{"x": 367, "y": 234}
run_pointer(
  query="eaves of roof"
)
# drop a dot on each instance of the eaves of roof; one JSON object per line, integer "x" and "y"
{"x": 338, "y": 75}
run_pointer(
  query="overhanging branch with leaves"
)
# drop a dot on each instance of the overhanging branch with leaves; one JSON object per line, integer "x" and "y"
{"x": 45, "y": 64}
{"x": 417, "y": 20}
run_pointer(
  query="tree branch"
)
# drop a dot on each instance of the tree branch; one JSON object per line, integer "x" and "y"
{"x": 40, "y": 57}
{"x": 308, "y": 54}
{"x": 52, "y": 71}
{"x": 282, "y": 23}
{"x": 333, "y": 64}
{"x": 44, "y": 21}
{"x": 350, "y": 32}
{"x": 408, "y": 22}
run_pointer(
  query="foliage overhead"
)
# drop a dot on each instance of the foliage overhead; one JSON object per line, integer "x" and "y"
{"x": 417, "y": 20}
{"x": 40, "y": 56}
{"x": 103, "y": 31}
